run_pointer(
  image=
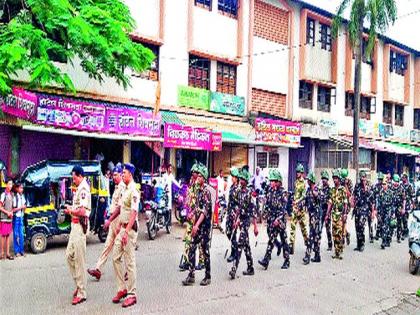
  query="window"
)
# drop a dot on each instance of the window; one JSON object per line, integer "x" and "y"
{"x": 397, "y": 62}
{"x": 325, "y": 32}
{"x": 153, "y": 72}
{"x": 199, "y": 72}
{"x": 262, "y": 159}
{"x": 203, "y": 3}
{"x": 332, "y": 155}
{"x": 310, "y": 31}
{"x": 349, "y": 106}
{"x": 226, "y": 78}
{"x": 366, "y": 59}
{"x": 387, "y": 113}
{"x": 365, "y": 106}
{"x": 399, "y": 115}
{"x": 324, "y": 99}
{"x": 273, "y": 160}
{"x": 305, "y": 94}
{"x": 229, "y": 7}
{"x": 417, "y": 119}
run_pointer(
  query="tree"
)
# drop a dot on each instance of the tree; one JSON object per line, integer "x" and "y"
{"x": 377, "y": 14}
{"x": 92, "y": 33}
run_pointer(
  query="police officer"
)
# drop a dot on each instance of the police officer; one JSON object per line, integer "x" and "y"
{"x": 232, "y": 213}
{"x": 76, "y": 247}
{"x": 375, "y": 195}
{"x": 385, "y": 208}
{"x": 275, "y": 205}
{"x": 363, "y": 208}
{"x": 312, "y": 201}
{"x": 398, "y": 206}
{"x": 126, "y": 238}
{"x": 298, "y": 215}
{"x": 247, "y": 213}
{"x": 112, "y": 224}
{"x": 348, "y": 185}
{"x": 201, "y": 231}
{"x": 337, "y": 207}
{"x": 324, "y": 195}
{"x": 409, "y": 196}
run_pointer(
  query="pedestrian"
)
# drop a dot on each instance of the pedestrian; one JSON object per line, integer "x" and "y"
{"x": 348, "y": 185}
{"x": 247, "y": 213}
{"x": 312, "y": 201}
{"x": 324, "y": 195}
{"x": 201, "y": 231}
{"x": 257, "y": 180}
{"x": 385, "y": 208}
{"x": 276, "y": 218}
{"x": 375, "y": 195}
{"x": 168, "y": 181}
{"x": 398, "y": 206}
{"x": 221, "y": 191}
{"x": 299, "y": 213}
{"x": 337, "y": 207}
{"x": 363, "y": 208}
{"x": 409, "y": 196}
{"x": 111, "y": 224}
{"x": 232, "y": 214}
{"x": 125, "y": 241}
{"x": 76, "y": 247}
{"x": 6, "y": 217}
{"x": 19, "y": 206}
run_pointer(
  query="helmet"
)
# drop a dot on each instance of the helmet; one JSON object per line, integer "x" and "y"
{"x": 393, "y": 223}
{"x": 311, "y": 177}
{"x": 380, "y": 175}
{"x": 324, "y": 174}
{"x": 336, "y": 173}
{"x": 344, "y": 173}
{"x": 274, "y": 175}
{"x": 244, "y": 174}
{"x": 396, "y": 178}
{"x": 405, "y": 174}
{"x": 194, "y": 168}
{"x": 300, "y": 168}
{"x": 201, "y": 169}
{"x": 362, "y": 173}
{"x": 234, "y": 172}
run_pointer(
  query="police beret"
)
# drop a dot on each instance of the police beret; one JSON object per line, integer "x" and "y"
{"x": 117, "y": 168}
{"x": 78, "y": 170}
{"x": 130, "y": 167}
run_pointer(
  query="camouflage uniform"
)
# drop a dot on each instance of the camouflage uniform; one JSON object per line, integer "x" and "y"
{"x": 385, "y": 207}
{"x": 312, "y": 200}
{"x": 232, "y": 211}
{"x": 376, "y": 190}
{"x": 299, "y": 214}
{"x": 348, "y": 185}
{"x": 324, "y": 195}
{"x": 408, "y": 197}
{"x": 362, "y": 211}
{"x": 398, "y": 196}
{"x": 339, "y": 201}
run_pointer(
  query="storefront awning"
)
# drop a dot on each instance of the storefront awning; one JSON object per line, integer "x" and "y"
{"x": 393, "y": 148}
{"x": 77, "y": 133}
{"x": 407, "y": 146}
{"x": 170, "y": 117}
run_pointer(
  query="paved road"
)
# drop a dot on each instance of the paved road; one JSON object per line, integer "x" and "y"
{"x": 375, "y": 281}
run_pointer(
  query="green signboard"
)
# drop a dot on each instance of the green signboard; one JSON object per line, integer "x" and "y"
{"x": 227, "y": 104}
{"x": 193, "y": 97}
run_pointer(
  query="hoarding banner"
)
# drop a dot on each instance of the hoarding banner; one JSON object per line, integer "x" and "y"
{"x": 193, "y": 97}
{"x": 21, "y": 103}
{"x": 187, "y": 137}
{"x": 277, "y": 131}
{"x": 132, "y": 121}
{"x": 227, "y": 104}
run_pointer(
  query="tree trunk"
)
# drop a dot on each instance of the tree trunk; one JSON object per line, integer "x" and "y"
{"x": 357, "y": 90}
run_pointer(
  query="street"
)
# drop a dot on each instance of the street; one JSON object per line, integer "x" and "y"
{"x": 363, "y": 283}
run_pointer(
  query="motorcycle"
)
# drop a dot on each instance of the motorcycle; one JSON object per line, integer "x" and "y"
{"x": 158, "y": 216}
{"x": 414, "y": 243}
{"x": 180, "y": 196}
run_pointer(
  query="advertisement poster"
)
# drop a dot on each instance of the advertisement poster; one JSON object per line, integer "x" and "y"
{"x": 21, "y": 104}
{"x": 227, "y": 104}
{"x": 277, "y": 131}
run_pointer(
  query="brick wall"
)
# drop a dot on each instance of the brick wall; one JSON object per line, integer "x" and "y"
{"x": 268, "y": 102}
{"x": 271, "y": 23}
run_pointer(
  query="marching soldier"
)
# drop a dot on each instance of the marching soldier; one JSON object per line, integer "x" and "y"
{"x": 76, "y": 247}
{"x": 398, "y": 206}
{"x": 409, "y": 196}
{"x": 232, "y": 212}
{"x": 126, "y": 238}
{"x": 375, "y": 195}
{"x": 298, "y": 215}
{"x": 276, "y": 219}
{"x": 201, "y": 231}
{"x": 385, "y": 209}
{"x": 337, "y": 207}
{"x": 324, "y": 195}
{"x": 348, "y": 185}
{"x": 111, "y": 224}
{"x": 363, "y": 208}
{"x": 246, "y": 214}
{"x": 312, "y": 202}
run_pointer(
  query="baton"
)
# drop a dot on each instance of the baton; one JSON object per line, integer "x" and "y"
{"x": 230, "y": 241}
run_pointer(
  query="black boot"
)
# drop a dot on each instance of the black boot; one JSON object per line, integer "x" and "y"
{"x": 348, "y": 238}
{"x": 249, "y": 272}
{"x": 264, "y": 263}
{"x": 306, "y": 259}
{"x": 232, "y": 273}
{"x": 362, "y": 248}
{"x": 316, "y": 259}
{"x": 279, "y": 246}
{"x": 190, "y": 280}
{"x": 183, "y": 267}
{"x": 206, "y": 281}
{"x": 329, "y": 247}
{"x": 291, "y": 249}
{"x": 232, "y": 256}
{"x": 286, "y": 264}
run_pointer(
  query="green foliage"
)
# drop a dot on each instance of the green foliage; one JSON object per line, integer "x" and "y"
{"x": 92, "y": 33}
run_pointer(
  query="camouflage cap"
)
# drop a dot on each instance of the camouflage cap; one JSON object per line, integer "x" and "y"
{"x": 324, "y": 174}
{"x": 201, "y": 169}
{"x": 396, "y": 178}
{"x": 274, "y": 175}
{"x": 300, "y": 168}
{"x": 234, "y": 172}
{"x": 336, "y": 173}
{"x": 311, "y": 177}
{"x": 244, "y": 174}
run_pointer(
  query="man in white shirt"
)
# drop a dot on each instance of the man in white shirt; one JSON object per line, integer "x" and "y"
{"x": 257, "y": 179}
{"x": 19, "y": 206}
{"x": 168, "y": 179}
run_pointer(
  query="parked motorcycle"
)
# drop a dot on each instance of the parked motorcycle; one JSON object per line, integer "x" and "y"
{"x": 180, "y": 197}
{"x": 158, "y": 215}
{"x": 414, "y": 243}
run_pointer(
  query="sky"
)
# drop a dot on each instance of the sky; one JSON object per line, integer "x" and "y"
{"x": 406, "y": 28}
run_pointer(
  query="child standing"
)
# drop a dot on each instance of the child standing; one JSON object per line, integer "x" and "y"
{"x": 6, "y": 215}
{"x": 19, "y": 206}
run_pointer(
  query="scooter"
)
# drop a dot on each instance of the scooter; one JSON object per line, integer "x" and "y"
{"x": 414, "y": 243}
{"x": 158, "y": 216}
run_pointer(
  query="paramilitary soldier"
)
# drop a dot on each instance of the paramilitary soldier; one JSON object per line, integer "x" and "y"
{"x": 76, "y": 247}
{"x": 348, "y": 186}
{"x": 299, "y": 214}
{"x": 246, "y": 215}
{"x": 125, "y": 241}
{"x": 276, "y": 218}
{"x": 363, "y": 208}
{"x": 232, "y": 213}
{"x": 385, "y": 210}
{"x": 375, "y": 195}
{"x": 337, "y": 207}
{"x": 201, "y": 231}
{"x": 324, "y": 195}
{"x": 398, "y": 206}
{"x": 409, "y": 196}
{"x": 313, "y": 205}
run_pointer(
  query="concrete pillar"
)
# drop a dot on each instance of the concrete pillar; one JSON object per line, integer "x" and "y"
{"x": 127, "y": 152}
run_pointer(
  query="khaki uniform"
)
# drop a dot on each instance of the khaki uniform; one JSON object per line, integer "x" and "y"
{"x": 76, "y": 247}
{"x": 129, "y": 202}
{"x": 112, "y": 233}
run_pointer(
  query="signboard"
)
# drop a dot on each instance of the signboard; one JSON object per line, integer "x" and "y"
{"x": 415, "y": 135}
{"x": 216, "y": 141}
{"x": 227, "y": 104}
{"x": 385, "y": 130}
{"x": 193, "y": 97}
{"x": 21, "y": 104}
{"x": 132, "y": 121}
{"x": 277, "y": 131}
{"x": 187, "y": 137}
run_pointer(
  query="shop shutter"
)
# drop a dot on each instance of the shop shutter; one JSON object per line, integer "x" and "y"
{"x": 230, "y": 156}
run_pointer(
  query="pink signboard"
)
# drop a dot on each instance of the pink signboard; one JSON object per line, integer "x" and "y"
{"x": 186, "y": 137}
{"x": 21, "y": 104}
{"x": 132, "y": 121}
{"x": 277, "y": 131}
{"x": 216, "y": 141}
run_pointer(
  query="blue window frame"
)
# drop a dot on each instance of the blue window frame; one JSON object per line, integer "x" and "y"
{"x": 230, "y": 7}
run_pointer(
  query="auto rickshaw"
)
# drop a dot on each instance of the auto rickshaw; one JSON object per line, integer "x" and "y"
{"x": 48, "y": 189}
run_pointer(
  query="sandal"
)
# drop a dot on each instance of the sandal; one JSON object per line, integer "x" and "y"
{"x": 10, "y": 258}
